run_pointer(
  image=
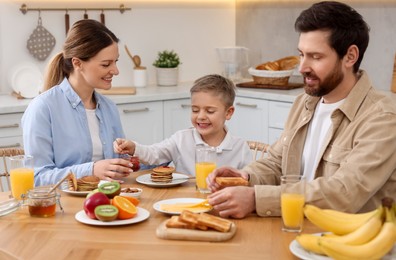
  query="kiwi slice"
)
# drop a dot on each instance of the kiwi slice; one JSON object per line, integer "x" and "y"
{"x": 110, "y": 189}
{"x": 106, "y": 212}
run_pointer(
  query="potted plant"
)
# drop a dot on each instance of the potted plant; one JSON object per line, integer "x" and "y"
{"x": 167, "y": 64}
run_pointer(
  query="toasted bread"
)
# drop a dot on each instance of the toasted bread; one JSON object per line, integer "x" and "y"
{"x": 231, "y": 181}
{"x": 191, "y": 218}
{"x": 174, "y": 222}
{"x": 72, "y": 182}
{"x": 217, "y": 223}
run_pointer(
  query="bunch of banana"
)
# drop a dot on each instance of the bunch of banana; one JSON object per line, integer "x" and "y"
{"x": 373, "y": 239}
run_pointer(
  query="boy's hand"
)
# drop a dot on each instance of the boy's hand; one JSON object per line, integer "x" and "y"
{"x": 123, "y": 146}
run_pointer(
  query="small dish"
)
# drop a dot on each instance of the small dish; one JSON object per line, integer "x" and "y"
{"x": 8, "y": 206}
{"x": 131, "y": 192}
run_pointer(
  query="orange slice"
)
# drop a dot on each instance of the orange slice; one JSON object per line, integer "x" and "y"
{"x": 134, "y": 200}
{"x": 126, "y": 208}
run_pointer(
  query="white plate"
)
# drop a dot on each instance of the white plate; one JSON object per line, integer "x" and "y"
{"x": 303, "y": 254}
{"x": 157, "y": 205}
{"x": 141, "y": 216}
{"x": 177, "y": 179}
{"x": 65, "y": 189}
{"x": 76, "y": 193}
{"x": 26, "y": 79}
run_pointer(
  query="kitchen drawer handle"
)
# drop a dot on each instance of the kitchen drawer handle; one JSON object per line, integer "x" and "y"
{"x": 185, "y": 105}
{"x": 9, "y": 126}
{"x": 126, "y": 111}
{"x": 246, "y": 105}
{"x": 11, "y": 145}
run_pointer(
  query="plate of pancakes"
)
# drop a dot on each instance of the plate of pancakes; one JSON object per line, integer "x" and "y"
{"x": 162, "y": 176}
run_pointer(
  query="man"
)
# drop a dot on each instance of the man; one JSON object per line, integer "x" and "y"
{"x": 340, "y": 134}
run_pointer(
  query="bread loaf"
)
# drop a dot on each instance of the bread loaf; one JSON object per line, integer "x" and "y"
{"x": 286, "y": 63}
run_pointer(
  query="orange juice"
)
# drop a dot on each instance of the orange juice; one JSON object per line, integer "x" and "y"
{"x": 202, "y": 170}
{"x": 22, "y": 180}
{"x": 292, "y": 209}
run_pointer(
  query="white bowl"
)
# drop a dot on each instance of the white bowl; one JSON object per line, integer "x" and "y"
{"x": 135, "y": 194}
{"x": 270, "y": 73}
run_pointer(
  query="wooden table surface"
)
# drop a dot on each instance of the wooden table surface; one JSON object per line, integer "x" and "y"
{"x": 62, "y": 237}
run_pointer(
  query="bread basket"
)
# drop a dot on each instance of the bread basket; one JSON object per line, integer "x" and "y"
{"x": 270, "y": 77}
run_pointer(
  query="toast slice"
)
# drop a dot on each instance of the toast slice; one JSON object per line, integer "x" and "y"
{"x": 191, "y": 218}
{"x": 217, "y": 223}
{"x": 231, "y": 181}
{"x": 174, "y": 222}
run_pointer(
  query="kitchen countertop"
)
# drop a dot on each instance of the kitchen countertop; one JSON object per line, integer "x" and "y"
{"x": 10, "y": 104}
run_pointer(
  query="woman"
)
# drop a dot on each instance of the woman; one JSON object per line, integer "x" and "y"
{"x": 70, "y": 127}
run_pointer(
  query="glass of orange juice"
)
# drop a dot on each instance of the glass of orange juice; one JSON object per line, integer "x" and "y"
{"x": 292, "y": 202}
{"x": 205, "y": 163}
{"x": 21, "y": 175}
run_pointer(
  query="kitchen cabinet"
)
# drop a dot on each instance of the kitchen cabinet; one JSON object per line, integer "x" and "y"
{"x": 277, "y": 116}
{"x": 250, "y": 119}
{"x": 10, "y": 130}
{"x": 142, "y": 122}
{"x": 177, "y": 115}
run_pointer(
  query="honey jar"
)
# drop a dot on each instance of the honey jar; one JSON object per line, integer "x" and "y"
{"x": 41, "y": 202}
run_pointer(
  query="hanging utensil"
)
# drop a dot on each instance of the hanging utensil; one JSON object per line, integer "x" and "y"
{"x": 67, "y": 21}
{"x": 102, "y": 18}
{"x": 85, "y": 15}
{"x": 41, "y": 41}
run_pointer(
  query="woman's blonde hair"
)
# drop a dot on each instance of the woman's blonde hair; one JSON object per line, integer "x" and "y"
{"x": 84, "y": 40}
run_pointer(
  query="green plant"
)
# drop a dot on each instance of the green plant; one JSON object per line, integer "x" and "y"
{"x": 167, "y": 59}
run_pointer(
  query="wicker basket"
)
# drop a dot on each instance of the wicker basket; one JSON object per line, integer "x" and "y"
{"x": 268, "y": 77}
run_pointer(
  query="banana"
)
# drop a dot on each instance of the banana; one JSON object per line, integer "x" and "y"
{"x": 310, "y": 243}
{"x": 364, "y": 233}
{"x": 376, "y": 248}
{"x": 331, "y": 223}
{"x": 346, "y": 216}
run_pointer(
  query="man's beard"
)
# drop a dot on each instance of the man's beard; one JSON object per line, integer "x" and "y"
{"x": 327, "y": 85}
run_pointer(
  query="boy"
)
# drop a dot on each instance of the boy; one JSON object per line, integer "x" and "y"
{"x": 212, "y": 99}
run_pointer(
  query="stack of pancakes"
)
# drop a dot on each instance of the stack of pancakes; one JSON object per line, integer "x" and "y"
{"x": 162, "y": 174}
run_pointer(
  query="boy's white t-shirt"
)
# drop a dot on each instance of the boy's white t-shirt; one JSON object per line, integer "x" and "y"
{"x": 317, "y": 131}
{"x": 180, "y": 148}
{"x": 93, "y": 124}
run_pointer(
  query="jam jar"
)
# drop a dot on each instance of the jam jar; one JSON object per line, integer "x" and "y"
{"x": 42, "y": 202}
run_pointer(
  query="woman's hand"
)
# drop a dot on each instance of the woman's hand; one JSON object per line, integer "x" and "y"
{"x": 112, "y": 169}
{"x": 124, "y": 146}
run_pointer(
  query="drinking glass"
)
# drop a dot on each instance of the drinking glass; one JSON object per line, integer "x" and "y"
{"x": 205, "y": 163}
{"x": 21, "y": 175}
{"x": 292, "y": 202}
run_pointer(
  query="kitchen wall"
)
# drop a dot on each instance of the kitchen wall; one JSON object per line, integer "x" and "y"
{"x": 193, "y": 30}
{"x": 267, "y": 29}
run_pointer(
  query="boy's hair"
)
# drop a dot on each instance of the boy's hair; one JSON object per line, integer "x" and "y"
{"x": 345, "y": 24}
{"x": 218, "y": 85}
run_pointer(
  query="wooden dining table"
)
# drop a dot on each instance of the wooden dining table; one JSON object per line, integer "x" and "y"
{"x": 63, "y": 237}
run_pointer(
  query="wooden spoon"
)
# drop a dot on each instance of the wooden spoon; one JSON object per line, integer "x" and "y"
{"x": 137, "y": 61}
{"x": 130, "y": 55}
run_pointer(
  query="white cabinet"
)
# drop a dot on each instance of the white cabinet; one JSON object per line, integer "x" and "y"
{"x": 277, "y": 116}
{"x": 250, "y": 120}
{"x": 177, "y": 115}
{"x": 142, "y": 122}
{"x": 10, "y": 130}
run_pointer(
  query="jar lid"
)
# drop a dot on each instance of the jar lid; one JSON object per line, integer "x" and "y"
{"x": 8, "y": 206}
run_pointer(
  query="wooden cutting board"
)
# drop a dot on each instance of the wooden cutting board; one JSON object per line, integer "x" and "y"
{"x": 193, "y": 235}
{"x": 118, "y": 91}
{"x": 393, "y": 87}
{"x": 252, "y": 84}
